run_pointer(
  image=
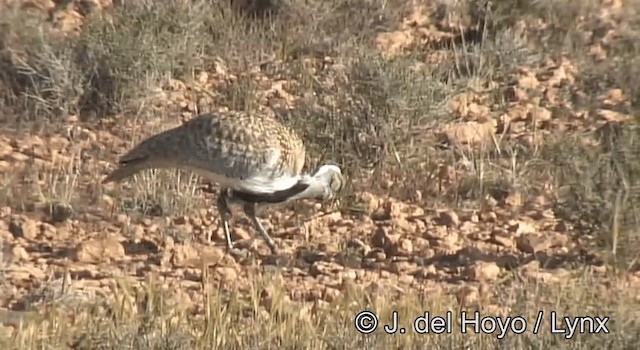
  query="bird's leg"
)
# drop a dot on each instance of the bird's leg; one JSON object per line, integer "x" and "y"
{"x": 250, "y": 211}
{"x": 223, "y": 210}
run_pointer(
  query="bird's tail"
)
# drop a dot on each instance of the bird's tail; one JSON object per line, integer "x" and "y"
{"x": 124, "y": 171}
{"x": 157, "y": 152}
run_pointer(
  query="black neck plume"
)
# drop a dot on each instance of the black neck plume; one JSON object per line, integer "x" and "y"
{"x": 270, "y": 198}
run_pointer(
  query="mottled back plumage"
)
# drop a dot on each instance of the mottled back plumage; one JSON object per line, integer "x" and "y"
{"x": 238, "y": 150}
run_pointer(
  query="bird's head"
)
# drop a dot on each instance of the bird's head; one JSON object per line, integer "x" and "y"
{"x": 323, "y": 185}
{"x": 331, "y": 179}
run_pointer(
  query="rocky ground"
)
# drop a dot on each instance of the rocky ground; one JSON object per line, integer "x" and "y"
{"x": 495, "y": 170}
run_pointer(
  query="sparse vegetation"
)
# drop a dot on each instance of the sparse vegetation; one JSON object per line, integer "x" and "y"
{"x": 491, "y": 150}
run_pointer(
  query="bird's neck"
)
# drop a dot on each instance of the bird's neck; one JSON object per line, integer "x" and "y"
{"x": 276, "y": 197}
{"x": 314, "y": 189}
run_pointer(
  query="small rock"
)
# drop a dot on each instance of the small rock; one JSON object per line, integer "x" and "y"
{"x": 403, "y": 226}
{"x": 240, "y": 234}
{"x": 483, "y": 271}
{"x": 388, "y": 210}
{"x": 203, "y": 77}
{"x": 528, "y": 81}
{"x": 547, "y": 277}
{"x": 467, "y": 227}
{"x": 514, "y": 199}
{"x": 60, "y": 212}
{"x": 370, "y": 201}
{"x": 26, "y": 273}
{"x": 107, "y": 201}
{"x": 420, "y": 243}
{"x": 138, "y": 233}
{"x": 450, "y": 241}
{"x": 51, "y": 232}
{"x": 403, "y": 268}
{"x": 559, "y": 241}
{"x": 5, "y": 211}
{"x": 168, "y": 243}
{"x": 5, "y": 166}
{"x": 393, "y": 43}
{"x": 21, "y": 227}
{"x": 469, "y": 133}
{"x": 181, "y": 220}
{"x": 100, "y": 249}
{"x": 362, "y": 247}
{"x": 521, "y": 227}
{"x": 382, "y": 239}
{"x": 395, "y": 209}
{"x": 405, "y": 247}
{"x": 449, "y": 218}
{"x": 612, "y": 116}
{"x": 377, "y": 255}
{"x": 539, "y": 114}
{"x": 18, "y": 157}
{"x": 18, "y": 254}
{"x": 562, "y": 226}
{"x": 476, "y": 111}
{"x": 502, "y": 238}
{"x": 489, "y": 216}
{"x": 226, "y": 273}
{"x": 123, "y": 219}
{"x": 324, "y": 268}
{"x": 532, "y": 243}
{"x": 187, "y": 255}
{"x": 427, "y": 272}
{"x": 348, "y": 274}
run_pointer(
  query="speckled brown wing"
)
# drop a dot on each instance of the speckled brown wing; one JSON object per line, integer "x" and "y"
{"x": 244, "y": 151}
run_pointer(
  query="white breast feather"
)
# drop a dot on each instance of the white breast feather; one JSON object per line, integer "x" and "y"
{"x": 270, "y": 178}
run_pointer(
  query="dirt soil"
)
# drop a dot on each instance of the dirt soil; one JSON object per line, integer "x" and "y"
{"x": 472, "y": 204}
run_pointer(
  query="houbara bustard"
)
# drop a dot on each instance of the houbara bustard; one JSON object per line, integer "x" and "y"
{"x": 255, "y": 159}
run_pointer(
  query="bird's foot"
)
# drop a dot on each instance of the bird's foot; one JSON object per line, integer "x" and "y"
{"x": 237, "y": 253}
{"x": 255, "y": 248}
{"x": 273, "y": 248}
{"x": 279, "y": 259}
